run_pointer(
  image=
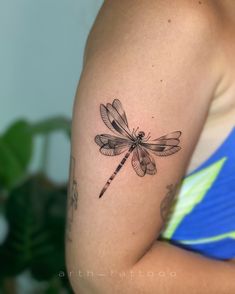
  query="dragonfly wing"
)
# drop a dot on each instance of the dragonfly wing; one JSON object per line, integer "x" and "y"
{"x": 165, "y": 145}
{"x": 106, "y": 120}
{"x": 168, "y": 151}
{"x": 151, "y": 165}
{"x": 118, "y": 106}
{"x": 142, "y": 162}
{"x": 172, "y": 138}
{"x": 138, "y": 164}
{"x": 161, "y": 150}
{"x": 112, "y": 145}
{"x": 114, "y": 120}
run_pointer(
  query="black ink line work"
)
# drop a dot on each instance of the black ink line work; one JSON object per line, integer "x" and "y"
{"x": 114, "y": 117}
{"x": 72, "y": 197}
{"x": 167, "y": 201}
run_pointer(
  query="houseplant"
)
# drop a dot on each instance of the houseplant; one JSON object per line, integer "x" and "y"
{"x": 33, "y": 207}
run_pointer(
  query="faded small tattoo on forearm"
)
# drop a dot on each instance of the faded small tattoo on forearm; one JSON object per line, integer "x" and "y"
{"x": 135, "y": 142}
{"x": 167, "y": 201}
{"x": 72, "y": 198}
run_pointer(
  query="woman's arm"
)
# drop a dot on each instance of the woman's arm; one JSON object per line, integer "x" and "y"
{"x": 159, "y": 58}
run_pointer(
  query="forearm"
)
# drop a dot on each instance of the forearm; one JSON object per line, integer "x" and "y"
{"x": 164, "y": 269}
{"x": 182, "y": 270}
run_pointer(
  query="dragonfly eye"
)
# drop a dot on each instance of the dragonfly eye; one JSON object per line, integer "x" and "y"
{"x": 141, "y": 134}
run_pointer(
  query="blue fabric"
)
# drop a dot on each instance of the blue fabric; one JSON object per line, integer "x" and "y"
{"x": 210, "y": 227}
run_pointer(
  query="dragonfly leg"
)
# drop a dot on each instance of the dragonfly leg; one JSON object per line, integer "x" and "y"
{"x": 147, "y": 138}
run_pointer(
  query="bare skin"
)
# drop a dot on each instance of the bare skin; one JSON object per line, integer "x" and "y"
{"x": 221, "y": 118}
{"x": 172, "y": 65}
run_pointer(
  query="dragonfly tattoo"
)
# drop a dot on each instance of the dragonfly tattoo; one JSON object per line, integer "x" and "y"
{"x": 135, "y": 141}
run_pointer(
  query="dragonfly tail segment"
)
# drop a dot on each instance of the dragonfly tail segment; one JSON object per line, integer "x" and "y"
{"x": 116, "y": 170}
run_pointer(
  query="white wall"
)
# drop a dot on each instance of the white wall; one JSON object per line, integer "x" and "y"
{"x": 41, "y": 49}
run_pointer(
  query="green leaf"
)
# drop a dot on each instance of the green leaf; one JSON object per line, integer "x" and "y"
{"x": 19, "y": 139}
{"x": 52, "y": 124}
{"x": 15, "y": 153}
{"x": 36, "y": 216}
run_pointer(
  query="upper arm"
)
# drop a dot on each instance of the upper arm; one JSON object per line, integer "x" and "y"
{"x": 158, "y": 61}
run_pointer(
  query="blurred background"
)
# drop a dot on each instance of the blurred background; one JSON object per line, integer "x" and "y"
{"x": 41, "y": 53}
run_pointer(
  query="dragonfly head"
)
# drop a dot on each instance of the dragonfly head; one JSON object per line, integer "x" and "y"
{"x": 141, "y": 134}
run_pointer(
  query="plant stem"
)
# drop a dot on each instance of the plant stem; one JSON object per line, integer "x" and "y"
{"x": 45, "y": 151}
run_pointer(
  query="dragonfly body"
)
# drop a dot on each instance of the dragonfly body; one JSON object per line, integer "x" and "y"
{"x": 117, "y": 170}
{"x": 133, "y": 146}
{"x": 143, "y": 162}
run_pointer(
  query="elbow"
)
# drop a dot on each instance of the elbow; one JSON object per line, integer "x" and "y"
{"x": 93, "y": 277}
{"x": 80, "y": 281}
{"x": 89, "y": 282}
{"x": 75, "y": 272}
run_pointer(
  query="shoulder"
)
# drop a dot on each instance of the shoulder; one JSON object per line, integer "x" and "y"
{"x": 150, "y": 24}
{"x": 149, "y": 14}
